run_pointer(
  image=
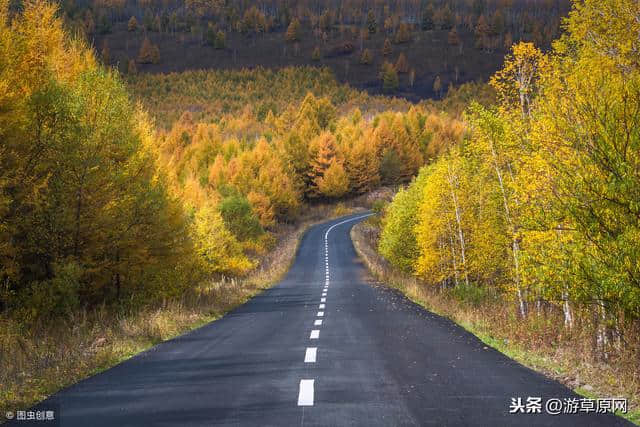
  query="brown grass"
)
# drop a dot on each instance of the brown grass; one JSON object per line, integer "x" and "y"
{"x": 540, "y": 342}
{"x": 38, "y": 361}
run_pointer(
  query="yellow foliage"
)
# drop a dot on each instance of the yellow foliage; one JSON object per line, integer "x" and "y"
{"x": 217, "y": 248}
{"x": 517, "y": 82}
{"x": 334, "y": 181}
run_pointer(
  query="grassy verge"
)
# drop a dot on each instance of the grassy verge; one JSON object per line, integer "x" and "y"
{"x": 537, "y": 342}
{"x": 37, "y": 362}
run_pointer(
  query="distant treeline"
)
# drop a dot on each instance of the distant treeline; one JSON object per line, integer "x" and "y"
{"x": 490, "y": 20}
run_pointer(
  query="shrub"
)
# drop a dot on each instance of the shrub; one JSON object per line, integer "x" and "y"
{"x": 239, "y": 217}
{"x": 398, "y": 240}
{"x": 53, "y": 298}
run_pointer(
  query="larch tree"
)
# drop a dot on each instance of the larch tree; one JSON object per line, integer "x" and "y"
{"x": 366, "y": 58}
{"x": 132, "y": 25}
{"x": 437, "y": 86}
{"x": 132, "y": 69}
{"x": 452, "y": 38}
{"x": 220, "y": 41}
{"x": 402, "y": 65}
{"x": 334, "y": 182}
{"x": 426, "y": 22}
{"x": 403, "y": 34}
{"x": 386, "y": 48}
{"x": 372, "y": 26}
{"x": 362, "y": 165}
{"x": 147, "y": 52}
{"x": 325, "y": 151}
{"x": 389, "y": 77}
{"x": 293, "y": 31}
{"x": 481, "y": 31}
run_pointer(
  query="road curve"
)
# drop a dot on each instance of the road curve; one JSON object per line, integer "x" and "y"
{"x": 367, "y": 357}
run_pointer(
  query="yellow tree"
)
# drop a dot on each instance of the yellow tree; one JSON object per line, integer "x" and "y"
{"x": 147, "y": 52}
{"x": 334, "y": 182}
{"x": 132, "y": 25}
{"x": 442, "y": 225}
{"x": 217, "y": 248}
{"x": 393, "y": 141}
{"x": 585, "y": 139}
{"x": 493, "y": 144}
{"x": 366, "y": 58}
{"x": 386, "y": 48}
{"x": 402, "y": 65}
{"x": 362, "y": 165}
{"x": 517, "y": 82}
{"x": 293, "y": 31}
{"x": 325, "y": 151}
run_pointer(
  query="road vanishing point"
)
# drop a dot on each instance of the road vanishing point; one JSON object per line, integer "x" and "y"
{"x": 326, "y": 346}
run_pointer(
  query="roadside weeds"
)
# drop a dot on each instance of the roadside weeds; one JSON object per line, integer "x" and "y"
{"x": 37, "y": 362}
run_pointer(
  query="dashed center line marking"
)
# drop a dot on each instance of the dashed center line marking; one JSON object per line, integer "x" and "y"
{"x": 310, "y": 355}
{"x": 306, "y": 392}
{"x": 305, "y": 396}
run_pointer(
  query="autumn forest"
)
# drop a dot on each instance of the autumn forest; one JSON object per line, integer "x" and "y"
{"x": 154, "y": 156}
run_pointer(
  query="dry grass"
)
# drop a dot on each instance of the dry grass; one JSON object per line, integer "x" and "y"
{"x": 38, "y": 361}
{"x": 539, "y": 342}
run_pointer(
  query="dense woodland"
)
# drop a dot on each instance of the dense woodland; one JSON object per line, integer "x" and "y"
{"x": 539, "y": 204}
{"x": 99, "y": 206}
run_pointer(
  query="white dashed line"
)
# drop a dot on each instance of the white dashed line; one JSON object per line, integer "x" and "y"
{"x": 310, "y": 355}
{"x": 305, "y": 396}
{"x": 306, "y": 393}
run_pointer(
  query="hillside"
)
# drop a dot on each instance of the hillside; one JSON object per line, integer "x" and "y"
{"x": 429, "y": 55}
{"x": 431, "y": 44}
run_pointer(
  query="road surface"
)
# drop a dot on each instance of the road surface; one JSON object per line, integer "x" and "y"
{"x": 322, "y": 348}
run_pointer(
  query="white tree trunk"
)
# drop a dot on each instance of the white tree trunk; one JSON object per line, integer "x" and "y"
{"x": 453, "y": 254}
{"x": 515, "y": 246}
{"x": 566, "y": 309}
{"x": 454, "y": 199}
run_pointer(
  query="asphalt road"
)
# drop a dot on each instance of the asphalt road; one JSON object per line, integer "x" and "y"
{"x": 366, "y": 357}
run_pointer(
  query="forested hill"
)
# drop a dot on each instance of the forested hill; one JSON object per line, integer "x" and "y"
{"x": 431, "y": 44}
{"x": 100, "y": 206}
